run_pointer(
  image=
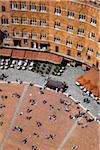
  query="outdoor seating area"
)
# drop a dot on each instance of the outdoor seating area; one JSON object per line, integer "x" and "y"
{"x": 89, "y": 83}
{"x": 41, "y": 119}
{"x": 34, "y": 66}
{"x": 36, "y": 55}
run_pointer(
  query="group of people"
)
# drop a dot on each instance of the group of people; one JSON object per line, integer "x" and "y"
{"x": 63, "y": 103}
{"x": 3, "y": 76}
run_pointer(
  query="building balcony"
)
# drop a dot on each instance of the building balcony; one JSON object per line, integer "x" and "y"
{"x": 15, "y": 23}
{"x": 23, "y": 9}
{"x": 93, "y": 24}
{"x": 17, "y": 36}
{"x": 13, "y": 8}
{"x": 98, "y": 55}
{"x": 58, "y": 14}
{"x": 43, "y": 49}
{"x": 25, "y": 36}
{"x": 89, "y": 52}
{"x": 56, "y": 41}
{"x": 71, "y": 17}
{"x": 79, "y": 49}
{"x": 33, "y": 10}
{"x": 70, "y": 31}
{"x": 43, "y": 25}
{"x": 43, "y": 11}
{"x": 80, "y": 34}
{"x": 69, "y": 45}
{"x": 82, "y": 20}
{"x": 24, "y": 24}
{"x": 91, "y": 38}
{"x": 57, "y": 28}
{"x": 34, "y": 38}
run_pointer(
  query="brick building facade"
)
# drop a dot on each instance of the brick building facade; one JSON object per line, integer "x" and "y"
{"x": 67, "y": 27}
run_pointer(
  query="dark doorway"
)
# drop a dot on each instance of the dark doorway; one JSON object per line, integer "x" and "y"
{"x": 34, "y": 45}
{"x": 3, "y": 8}
{"x": 43, "y": 46}
{"x": 17, "y": 42}
{"x": 1, "y": 37}
{"x": 56, "y": 48}
{"x": 64, "y": 62}
{"x": 97, "y": 64}
{"x": 69, "y": 52}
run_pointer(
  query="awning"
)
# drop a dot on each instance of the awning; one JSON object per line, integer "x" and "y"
{"x": 33, "y": 55}
{"x": 50, "y": 57}
{"x": 18, "y": 53}
{"x": 5, "y": 52}
{"x": 96, "y": 92}
{"x": 89, "y": 86}
{"x": 83, "y": 80}
{"x": 93, "y": 75}
{"x": 90, "y": 80}
{"x": 43, "y": 56}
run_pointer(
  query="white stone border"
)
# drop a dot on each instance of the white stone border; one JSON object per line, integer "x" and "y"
{"x": 82, "y": 107}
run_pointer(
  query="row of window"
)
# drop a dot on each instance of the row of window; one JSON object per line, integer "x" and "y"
{"x": 26, "y": 35}
{"x": 80, "y": 31}
{"x": 4, "y": 21}
{"x": 25, "y": 21}
{"x": 91, "y": 35}
{"x": 88, "y": 53}
{"x": 42, "y": 8}
{"x": 82, "y": 17}
{"x": 69, "y": 52}
{"x": 43, "y": 36}
{"x": 23, "y": 6}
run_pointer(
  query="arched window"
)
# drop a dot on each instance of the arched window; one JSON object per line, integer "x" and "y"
{"x": 4, "y": 20}
{"x": 57, "y": 24}
{"x": 32, "y": 7}
{"x": 42, "y": 22}
{"x": 25, "y": 33}
{"x": 33, "y": 21}
{"x": 42, "y": 8}
{"x": 6, "y": 34}
{"x": 24, "y": 20}
{"x": 16, "y": 32}
{"x": 57, "y": 11}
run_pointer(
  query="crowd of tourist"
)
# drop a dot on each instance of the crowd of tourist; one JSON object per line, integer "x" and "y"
{"x": 64, "y": 103}
{"x": 53, "y": 117}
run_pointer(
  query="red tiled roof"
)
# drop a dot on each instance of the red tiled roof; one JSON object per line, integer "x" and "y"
{"x": 91, "y": 81}
{"x": 83, "y": 80}
{"x": 93, "y": 75}
{"x": 96, "y": 91}
{"x": 90, "y": 86}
